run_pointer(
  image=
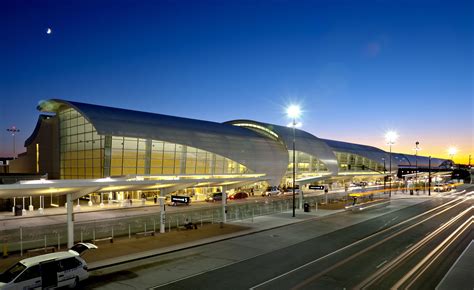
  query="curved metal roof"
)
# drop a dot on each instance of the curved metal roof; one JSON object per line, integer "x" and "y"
{"x": 305, "y": 142}
{"x": 257, "y": 153}
{"x": 369, "y": 152}
{"x": 378, "y": 155}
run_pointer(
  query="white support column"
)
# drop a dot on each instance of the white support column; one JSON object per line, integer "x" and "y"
{"x": 41, "y": 205}
{"x": 224, "y": 205}
{"x": 301, "y": 197}
{"x": 30, "y": 207}
{"x": 14, "y": 204}
{"x": 70, "y": 221}
{"x": 101, "y": 200}
{"x": 162, "y": 214}
{"x": 23, "y": 210}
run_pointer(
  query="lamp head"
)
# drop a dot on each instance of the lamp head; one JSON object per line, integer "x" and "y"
{"x": 293, "y": 111}
{"x": 391, "y": 137}
{"x": 452, "y": 151}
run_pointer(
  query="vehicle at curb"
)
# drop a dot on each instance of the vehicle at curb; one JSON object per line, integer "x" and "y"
{"x": 239, "y": 195}
{"x": 271, "y": 191}
{"x": 215, "y": 196}
{"x": 289, "y": 191}
{"x": 49, "y": 271}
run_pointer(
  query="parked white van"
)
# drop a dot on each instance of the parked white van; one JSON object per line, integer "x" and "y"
{"x": 48, "y": 271}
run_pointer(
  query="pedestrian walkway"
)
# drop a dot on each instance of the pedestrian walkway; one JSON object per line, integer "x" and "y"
{"x": 125, "y": 249}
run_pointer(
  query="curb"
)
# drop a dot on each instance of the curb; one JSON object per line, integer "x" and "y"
{"x": 202, "y": 242}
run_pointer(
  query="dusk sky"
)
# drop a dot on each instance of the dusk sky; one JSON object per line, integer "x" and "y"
{"x": 357, "y": 68}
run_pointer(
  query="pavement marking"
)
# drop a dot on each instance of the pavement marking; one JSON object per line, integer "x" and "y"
{"x": 380, "y": 265}
{"x": 360, "y": 241}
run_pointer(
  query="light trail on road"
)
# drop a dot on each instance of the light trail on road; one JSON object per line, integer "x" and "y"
{"x": 438, "y": 208}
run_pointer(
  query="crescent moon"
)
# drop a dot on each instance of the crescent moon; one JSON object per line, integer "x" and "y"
{"x": 48, "y": 31}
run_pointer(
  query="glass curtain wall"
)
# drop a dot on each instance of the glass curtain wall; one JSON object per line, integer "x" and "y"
{"x": 85, "y": 154}
{"x": 81, "y": 147}
{"x": 306, "y": 163}
{"x": 354, "y": 162}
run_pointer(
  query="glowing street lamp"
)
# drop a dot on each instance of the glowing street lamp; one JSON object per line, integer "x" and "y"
{"x": 390, "y": 138}
{"x": 416, "y": 163}
{"x": 294, "y": 112}
{"x": 452, "y": 151}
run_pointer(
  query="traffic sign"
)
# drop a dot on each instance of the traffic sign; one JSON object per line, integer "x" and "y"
{"x": 316, "y": 187}
{"x": 180, "y": 199}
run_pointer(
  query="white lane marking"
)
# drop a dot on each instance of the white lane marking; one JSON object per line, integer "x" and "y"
{"x": 380, "y": 265}
{"x": 358, "y": 242}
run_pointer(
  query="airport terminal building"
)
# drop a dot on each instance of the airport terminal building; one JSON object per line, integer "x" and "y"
{"x": 78, "y": 141}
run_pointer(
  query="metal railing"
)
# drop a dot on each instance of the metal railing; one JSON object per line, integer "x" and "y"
{"x": 25, "y": 238}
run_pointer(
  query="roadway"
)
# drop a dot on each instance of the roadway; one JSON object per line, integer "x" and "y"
{"x": 373, "y": 249}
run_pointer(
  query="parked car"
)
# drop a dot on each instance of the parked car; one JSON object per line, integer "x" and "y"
{"x": 48, "y": 271}
{"x": 271, "y": 191}
{"x": 289, "y": 191}
{"x": 215, "y": 196}
{"x": 239, "y": 195}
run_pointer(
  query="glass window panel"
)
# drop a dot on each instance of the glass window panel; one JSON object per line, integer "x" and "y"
{"x": 156, "y": 170}
{"x": 167, "y": 155}
{"x": 117, "y": 143}
{"x": 130, "y": 154}
{"x": 157, "y": 146}
{"x": 115, "y": 171}
{"x": 141, "y": 154}
{"x": 88, "y": 127}
{"x": 156, "y": 163}
{"x": 156, "y": 156}
{"x": 170, "y": 147}
{"x": 116, "y": 162}
{"x": 168, "y": 163}
{"x": 129, "y": 162}
{"x": 167, "y": 170}
{"x": 130, "y": 144}
{"x": 96, "y": 153}
{"x": 129, "y": 170}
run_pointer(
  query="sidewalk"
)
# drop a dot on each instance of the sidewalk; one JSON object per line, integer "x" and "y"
{"x": 125, "y": 250}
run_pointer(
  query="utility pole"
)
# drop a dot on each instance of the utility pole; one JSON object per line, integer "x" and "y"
{"x": 429, "y": 175}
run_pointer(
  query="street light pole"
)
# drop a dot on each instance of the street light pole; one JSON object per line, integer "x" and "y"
{"x": 390, "y": 170}
{"x": 294, "y": 112}
{"x": 384, "y": 174}
{"x": 294, "y": 165}
{"x": 416, "y": 164}
{"x": 13, "y": 130}
{"x": 429, "y": 175}
{"x": 390, "y": 137}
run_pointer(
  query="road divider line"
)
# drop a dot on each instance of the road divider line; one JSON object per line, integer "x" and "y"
{"x": 361, "y": 240}
{"x": 394, "y": 263}
{"x": 421, "y": 267}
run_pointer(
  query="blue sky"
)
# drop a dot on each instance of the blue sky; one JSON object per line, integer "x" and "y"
{"x": 358, "y": 68}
